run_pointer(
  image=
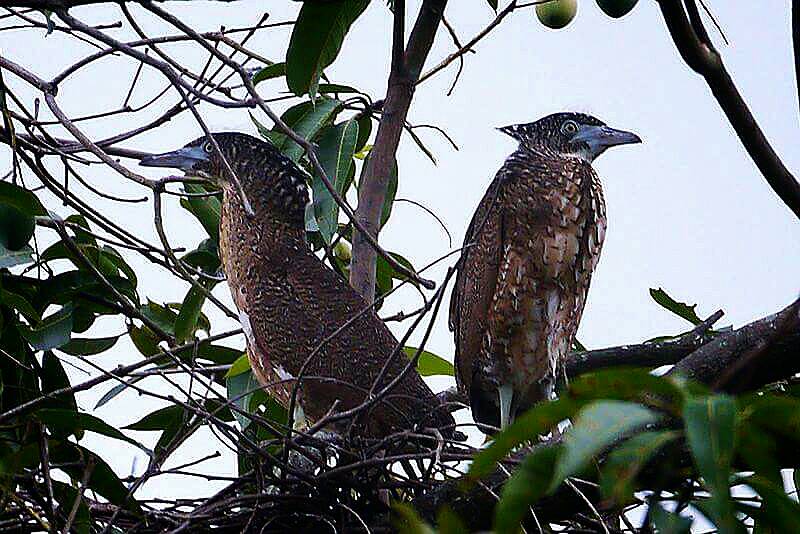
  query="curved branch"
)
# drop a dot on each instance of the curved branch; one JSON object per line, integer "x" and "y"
{"x": 796, "y": 44}
{"x": 699, "y": 53}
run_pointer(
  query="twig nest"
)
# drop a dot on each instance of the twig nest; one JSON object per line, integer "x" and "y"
{"x": 557, "y": 14}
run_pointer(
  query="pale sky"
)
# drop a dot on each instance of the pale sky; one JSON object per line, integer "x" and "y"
{"x": 687, "y": 209}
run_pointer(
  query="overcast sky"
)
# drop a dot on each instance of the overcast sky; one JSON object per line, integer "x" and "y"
{"x": 687, "y": 209}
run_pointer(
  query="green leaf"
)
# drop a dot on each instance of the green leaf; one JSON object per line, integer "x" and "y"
{"x": 680, "y": 309}
{"x": 74, "y": 459}
{"x": 407, "y": 521}
{"x": 336, "y": 148}
{"x": 391, "y": 193}
{"x": 87, "y": 346}
{"x": 384, "y": 269}
{"x": 205, "y": 257}
{"x": 667, "y": 522}
{"x": 10, "y": 258}
{"x": 306, "y": 119}
{"x": 524, "y": 488}
{"x": 53, "y": 332}
{"x": 20, "y": 303}
{"x": 21, "y": 199}
{"x": 276, "y": 70}
{"x": 597, "y": 427}
{"x": 316, "y": 40}
{"x": 796, "y": 480}
{"x": 249, "y": 397}
{"x": 158, "y": 420}
{"x": 66, "y": 496}
{"x": 186, "y": 324}
{"x": 383, "y": 279}
{"x": 528, "y": 427}
{"x": 626, "y": 385}
{"x": 80, "y": 227}
{"x": 493, "y": 4}
{"x": 162, "y": 316}
{"x": 54, "y": 378}
{"x": 144, "y": 340}
{"x": 710, "y": 424}
{"x": 364, "y": 131}
{"x": 241, "y": 365}
{"x": 116, "y": 390}
{"x": 447, "y": 522}
{"x": 71, "y": 285}
{"x": 207, "y": 210}
{"x": 336, "y": 88}
{"x": 69, "y": 421}
{"x": 759, "y": 451}
{"x": 625, "y": 462}
{"x": 16, "y": 228}
{"x": 779, "y": 415}
{"x": 430, "y": 364}
{"x": 18, "y": 207}
{"x": 781, "y": 512}
{"x": 217, "y": 354}
{"x": 111, "y": 255}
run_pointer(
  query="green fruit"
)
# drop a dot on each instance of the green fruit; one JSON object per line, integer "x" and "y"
{"x": 557, "y": 14}
{"x": 342, "y": 251}
{"x": 616, "y": 8}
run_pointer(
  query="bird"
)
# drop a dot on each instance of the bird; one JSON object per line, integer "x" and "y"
{"x": 299, "y": 317}
{"x": 528, "y": 257}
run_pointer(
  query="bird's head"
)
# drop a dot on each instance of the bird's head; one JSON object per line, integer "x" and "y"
{"x": 267, "y": 176}
{"x": 570, "y": 134}
{"x": 199, "y": 158}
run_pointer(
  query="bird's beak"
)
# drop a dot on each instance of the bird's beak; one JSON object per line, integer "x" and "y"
{"x": 601, "y": 137}
{"x": 184, "y": 158}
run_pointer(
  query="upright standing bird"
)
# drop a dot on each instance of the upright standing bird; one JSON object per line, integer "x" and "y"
{"x": 297, "y": 314}
{"x": 528, "y": 257}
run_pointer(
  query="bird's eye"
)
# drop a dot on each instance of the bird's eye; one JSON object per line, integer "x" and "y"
{"x": 208, "y": 148}
{"x": 569, "y": 127}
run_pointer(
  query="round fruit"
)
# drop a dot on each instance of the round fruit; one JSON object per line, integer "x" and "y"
{"x": 557, "y": 14}
{"x": 616, "y": 8}
{"x": 342, "y": 251}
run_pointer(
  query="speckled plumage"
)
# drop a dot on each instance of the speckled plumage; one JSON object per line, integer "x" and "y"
{"x": 530, "y": 251}
{"x": 292, "y": 305}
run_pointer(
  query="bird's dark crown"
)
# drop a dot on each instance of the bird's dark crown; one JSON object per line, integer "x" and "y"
{"x": 267, "y": 176}
{"x": 570, "y": 134}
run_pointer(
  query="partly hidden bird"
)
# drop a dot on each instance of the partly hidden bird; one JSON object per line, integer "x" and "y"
{"x": 300, "y": 318}
{"x": 526, "y": 264}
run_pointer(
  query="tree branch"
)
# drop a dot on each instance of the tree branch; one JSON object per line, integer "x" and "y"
{"x": 761, "y": 352}
{"x": 642, "y": 355}
{"x": 796, "y": 44}
{"x": 375, "y": 177}
{"x": 699, "y": 53}
{"x": 756, "y": 354}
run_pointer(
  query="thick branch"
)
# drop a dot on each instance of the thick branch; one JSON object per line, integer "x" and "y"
{"x": 699, "y": 53}
{"x": 375, "y": 177}
{"x": 644, "y": 354}
{"x": 756, "y": 354}
{"x": 761, "y": 352}
{"x": 796, "y": 44}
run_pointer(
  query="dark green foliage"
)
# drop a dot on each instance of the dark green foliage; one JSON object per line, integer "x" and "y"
{"x": 634, "y": 435}
{"x": 643, "y": 443}
{"x": 316, "y": 40}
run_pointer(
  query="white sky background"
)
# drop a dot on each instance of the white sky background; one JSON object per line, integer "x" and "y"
{"x": 687, "y": 209}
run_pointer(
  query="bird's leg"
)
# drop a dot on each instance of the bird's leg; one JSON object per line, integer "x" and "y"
{"x": 299, "y": 418}
{"x": 506, "y": 395}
